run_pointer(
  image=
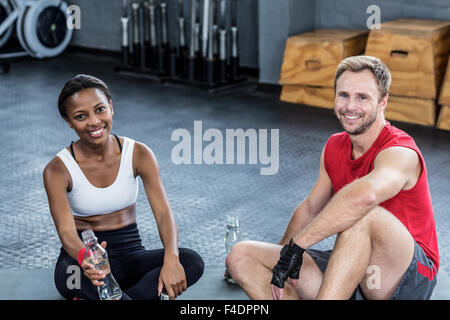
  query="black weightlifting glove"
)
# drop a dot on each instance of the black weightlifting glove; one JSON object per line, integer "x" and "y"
{"x": 289, "y": 264}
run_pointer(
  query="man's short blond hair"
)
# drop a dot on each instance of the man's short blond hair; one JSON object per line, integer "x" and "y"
{"x": 360, "y": 63}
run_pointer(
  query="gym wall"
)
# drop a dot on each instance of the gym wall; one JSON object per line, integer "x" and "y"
{"x": 264, "y": 24}
{"x": 336, "y": 14}
{"x": 296, "y": 16}
{"x": 101, "y": 27}
{"x": 277, "y": 21}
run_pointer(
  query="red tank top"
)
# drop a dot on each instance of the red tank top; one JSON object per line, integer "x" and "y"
{"x": 412, "y": 207}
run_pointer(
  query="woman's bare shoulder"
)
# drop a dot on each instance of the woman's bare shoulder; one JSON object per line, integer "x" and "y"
{"x": 56, "y": 170}
{"x": 144, "y": 158}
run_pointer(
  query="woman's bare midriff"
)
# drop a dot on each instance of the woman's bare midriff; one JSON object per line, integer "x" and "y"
{"x": 109, "y": 221}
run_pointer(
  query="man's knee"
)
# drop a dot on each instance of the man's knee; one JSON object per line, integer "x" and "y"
{"x": 237, "y": 256}
{"x": 385, "y": 230}
{"x": 371, "y": 221}
{"x": 383, "y": 223}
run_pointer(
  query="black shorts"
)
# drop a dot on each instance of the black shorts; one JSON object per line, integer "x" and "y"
{"x": 413, "y": 286}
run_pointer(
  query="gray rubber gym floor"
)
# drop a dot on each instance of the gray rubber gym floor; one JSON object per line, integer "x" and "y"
{"x": 32, "y": 132}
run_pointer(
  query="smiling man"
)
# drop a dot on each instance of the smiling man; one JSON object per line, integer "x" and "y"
{"x": 372, "y": 192}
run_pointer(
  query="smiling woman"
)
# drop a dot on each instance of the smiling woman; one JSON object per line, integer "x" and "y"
{"x": 92, "y": 184}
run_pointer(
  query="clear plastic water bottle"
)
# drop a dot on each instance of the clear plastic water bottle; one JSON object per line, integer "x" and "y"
{"x": 164, "y": 295}
{"x": 97, "y": 256}
{"x": 232, "y": 236}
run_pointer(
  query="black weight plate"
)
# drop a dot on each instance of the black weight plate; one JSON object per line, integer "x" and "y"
{"x": 51, "y": 26}
{"x": 3, "y": 13}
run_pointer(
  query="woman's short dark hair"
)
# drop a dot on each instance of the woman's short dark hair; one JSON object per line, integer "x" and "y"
{"x": 78, "y": 83}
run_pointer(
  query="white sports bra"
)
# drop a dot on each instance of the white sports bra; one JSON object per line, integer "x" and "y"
{"x": 87, "y": 200}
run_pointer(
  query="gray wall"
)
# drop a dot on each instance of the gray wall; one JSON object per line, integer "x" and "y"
{"x": 101, "y": 27}
{"x": 352, "y": 14}
{"x": 100, "y": 24}
{"x": 282, "y": 18}
{"x": 277, "y": 20}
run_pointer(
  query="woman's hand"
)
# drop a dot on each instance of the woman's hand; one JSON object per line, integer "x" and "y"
{"x": 94, "y": 275}
{"x": 172, "y": 277}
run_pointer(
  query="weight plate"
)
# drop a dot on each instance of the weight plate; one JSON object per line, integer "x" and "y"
{"x": 4, "y": 12}
{"x": 43, "y": 28}
{"x": 51, "y": 27}
{"x": 20, "y": 27}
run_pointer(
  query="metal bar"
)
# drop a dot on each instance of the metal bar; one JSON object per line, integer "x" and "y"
{"x": 197, "y": 25}
{"x": 222, "y": 14}
{"x": 234, "y": 13}
{"x": 141, "y": 36}
{"x": 9, "y": 21}
{"x": 145, "y": 5}
{"x": 135, "y": 7}
{"x": 206, "y": 5}
{"x": 164, "y": 26}
{"x": 125, "y": 43}
{"x": 152, "y": 16}
{"x": 192, "y": 29}
{"x": 234, "y": 63}
{"x": 181, "y": 23}
{"x": 124, "y": 31}
{"x": 13, "y": 55}
{"x": 211, "y": 31}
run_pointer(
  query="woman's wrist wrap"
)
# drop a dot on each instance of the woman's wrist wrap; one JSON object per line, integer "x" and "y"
{"x": 80, "y": 256}
{"x": 289, "y": 264}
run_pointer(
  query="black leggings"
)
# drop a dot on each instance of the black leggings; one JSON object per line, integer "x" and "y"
{"x": 135, "y": 269}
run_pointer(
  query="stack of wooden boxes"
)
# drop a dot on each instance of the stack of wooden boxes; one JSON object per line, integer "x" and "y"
{"x": 416, "y": 53}
{"x": 310, "y": 62}
{"x": 444, "y": 100}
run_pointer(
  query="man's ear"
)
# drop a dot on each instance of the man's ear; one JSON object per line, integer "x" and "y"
{"x": 384, "y": 101}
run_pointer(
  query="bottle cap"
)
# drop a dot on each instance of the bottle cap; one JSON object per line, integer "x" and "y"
{"x": 232, "y": 221}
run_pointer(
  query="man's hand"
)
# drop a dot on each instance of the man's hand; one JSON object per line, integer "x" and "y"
{"x": 172, "y": 277}
{"x": 288, "y": 266}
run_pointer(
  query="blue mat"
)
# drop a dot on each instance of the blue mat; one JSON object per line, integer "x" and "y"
{"x": 37, "y": 284}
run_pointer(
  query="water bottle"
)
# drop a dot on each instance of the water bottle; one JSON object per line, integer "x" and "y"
{"x": 97, "y": 256}
{"x": 232, "y": 236}
{"x": 164, "y": 295}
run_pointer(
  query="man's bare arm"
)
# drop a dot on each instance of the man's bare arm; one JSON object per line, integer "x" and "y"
{"x": 394, "y": 169}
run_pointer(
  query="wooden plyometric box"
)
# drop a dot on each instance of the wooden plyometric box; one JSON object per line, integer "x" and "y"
{"x": 416, "y": 53}
{"x": 310, "y": 62}
{"x": 412, "y": 110}
{"x": 312, "y": 96}
{"x": 443, "y": 121}
{"x": 311, "y": 58}
{"x": 444, "y": 95}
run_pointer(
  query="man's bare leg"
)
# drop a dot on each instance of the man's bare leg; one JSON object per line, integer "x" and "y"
{"x": 378, "y": 239}
{"x": 250, "y": 264}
